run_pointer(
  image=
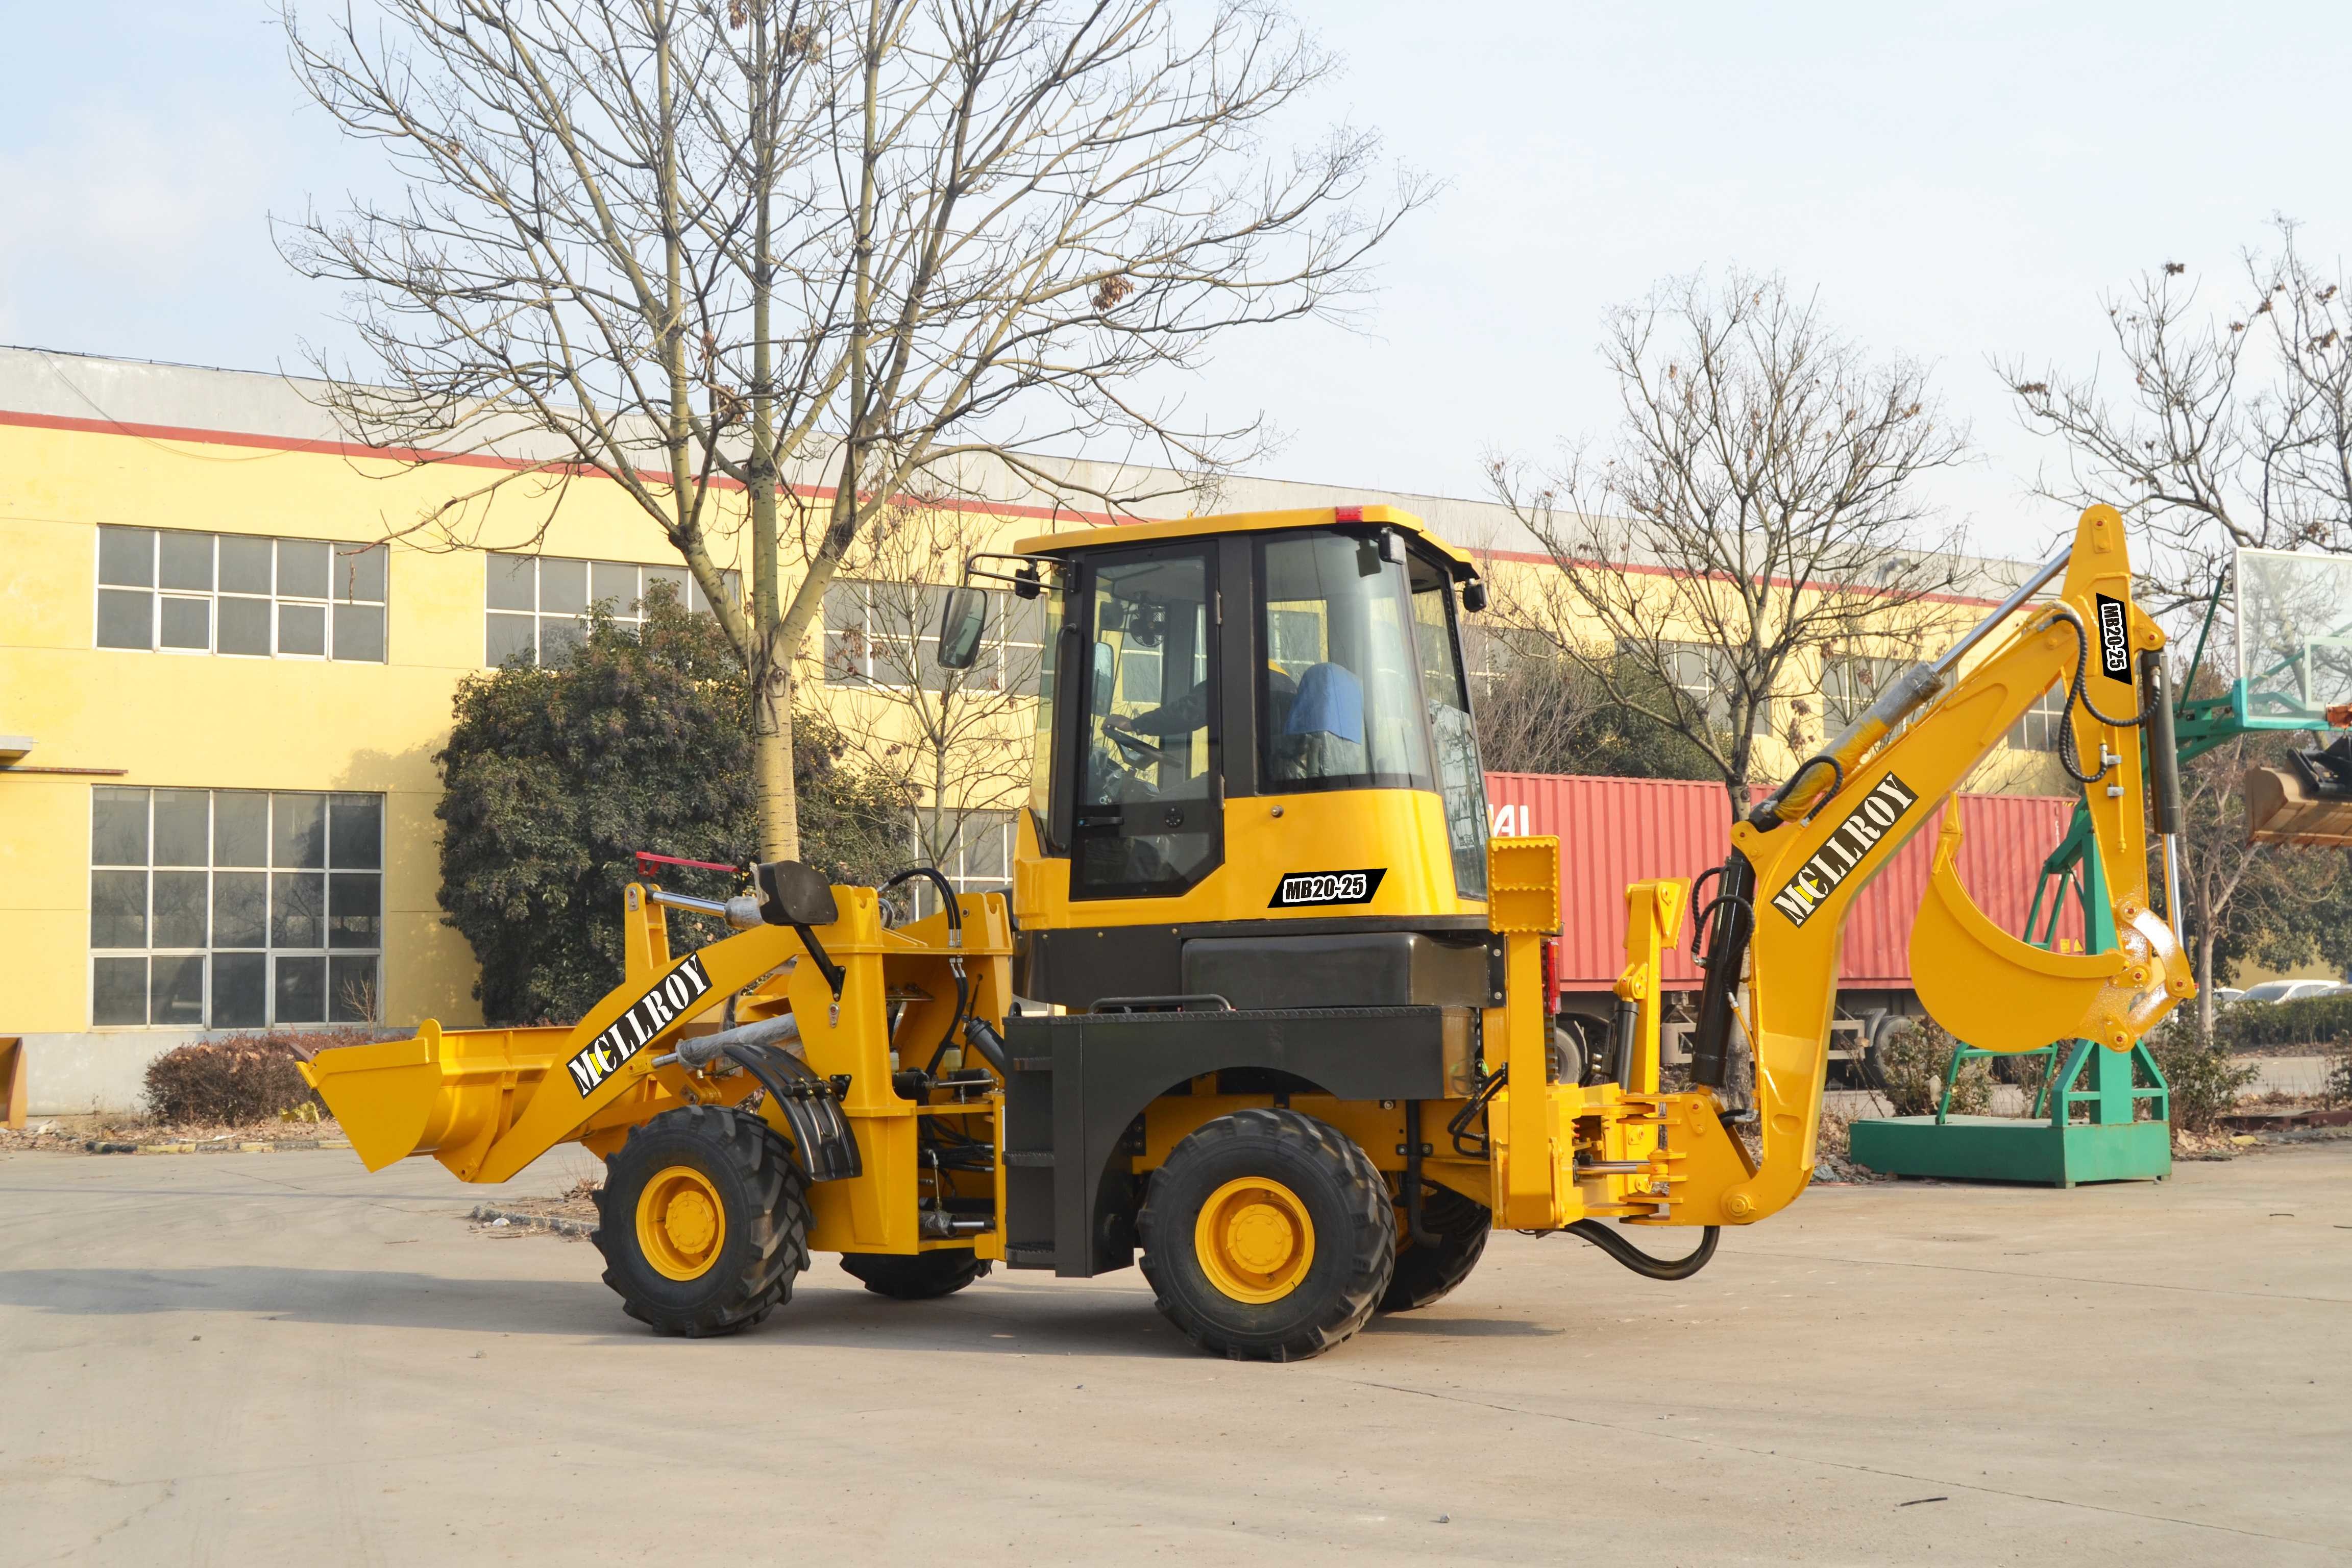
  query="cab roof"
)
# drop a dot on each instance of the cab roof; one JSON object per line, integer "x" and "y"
{"x": 1465, "y": 565}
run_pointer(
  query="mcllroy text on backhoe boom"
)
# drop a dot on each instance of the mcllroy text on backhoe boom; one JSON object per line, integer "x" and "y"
{"x": 1285, "y": 1032}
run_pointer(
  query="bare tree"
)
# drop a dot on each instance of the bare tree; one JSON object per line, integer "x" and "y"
{"x": 2226, "y": 429}
{"x": 1759, "y": 508}
{"x": 1539, "y": 713}
{"x": 766, "y": 264}
{"x": 2218, "y": 429}
{"x": 957, "y": 741}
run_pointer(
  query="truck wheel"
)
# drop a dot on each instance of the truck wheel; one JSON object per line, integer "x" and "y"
{"x": 921, "y": 1277}
{"x": 1268, "y": 1235}
{"x": 703, "y": 1222}
{"x": 1425, "y": 1273}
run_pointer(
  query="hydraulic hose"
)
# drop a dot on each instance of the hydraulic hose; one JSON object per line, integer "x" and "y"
{"x": 2067, "y": 756}
{"x": 955, "y": 942}
{"x": 1606, "y": 1238}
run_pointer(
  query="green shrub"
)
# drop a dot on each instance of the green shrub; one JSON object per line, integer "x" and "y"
{"x": 1912, "y": 1061}
{"x": 2315, "y": 1021}
{"x": 2204, "y": 1082}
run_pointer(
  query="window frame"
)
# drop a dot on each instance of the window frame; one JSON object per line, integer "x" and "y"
{"x": 999, "y": 649}
{"x": 1840, "y": 710}
{"x": 326, "y": 950}
{"x": 630, "y": 615}
{"x": 213, "y": 594}
{"x": 1715, "y": 661}
{"x": 2051, "y": 709}
{"x": 1002, "y": 822}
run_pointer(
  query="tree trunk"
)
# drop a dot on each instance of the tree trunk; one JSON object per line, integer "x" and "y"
{"x": 2204, "y": 991}
{"x": 772, "y": 765}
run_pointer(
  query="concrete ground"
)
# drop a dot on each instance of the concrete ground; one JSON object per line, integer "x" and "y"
{"x": 253, "y": 1359}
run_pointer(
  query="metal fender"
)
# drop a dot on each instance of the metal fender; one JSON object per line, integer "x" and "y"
{"x": 2000, "y": 993}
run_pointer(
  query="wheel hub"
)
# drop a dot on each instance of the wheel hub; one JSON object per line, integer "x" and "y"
{"x": 1254, "y": 1239}
{"x": 681, "y": 1222}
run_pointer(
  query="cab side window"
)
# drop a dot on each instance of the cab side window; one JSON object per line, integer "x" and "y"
{"x": 1147, "y": 820}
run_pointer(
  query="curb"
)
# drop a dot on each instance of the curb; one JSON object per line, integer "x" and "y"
{"x": 279, "y": 1146}
{"x": 488, "y": 1215}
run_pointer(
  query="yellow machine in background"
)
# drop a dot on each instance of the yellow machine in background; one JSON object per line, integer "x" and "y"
{"x": 1285, "y": 1034}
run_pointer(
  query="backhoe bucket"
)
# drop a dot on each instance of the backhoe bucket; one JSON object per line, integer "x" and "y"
{"x": 1999, "y": 992}
{"x": 2286, "y": 805}
{"x": 442, "y": 1094}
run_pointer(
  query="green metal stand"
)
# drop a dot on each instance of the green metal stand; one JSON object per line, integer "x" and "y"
{"x": 2085, "y": 1125}
{"x": 2110, "y": 1141}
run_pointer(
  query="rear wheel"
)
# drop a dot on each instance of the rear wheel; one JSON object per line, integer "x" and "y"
{"x": 1424, "y": 1274}
{"x": 1268, "y": 1235}
{"x": 703, "y": 1222}
{"x": 919, "y": 1278}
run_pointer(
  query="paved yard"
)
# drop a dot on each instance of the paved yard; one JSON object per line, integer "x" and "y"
{"x": 248, "y": 1359}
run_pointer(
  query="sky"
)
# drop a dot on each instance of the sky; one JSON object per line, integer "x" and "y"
{"x": 1955, "y": 182}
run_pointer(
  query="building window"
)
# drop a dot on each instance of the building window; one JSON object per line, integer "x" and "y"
{"x": 235, "y": 908}
{"x": 539, "y": 603}
{"x": 239, "y": 595}
{"x": 979, "y": 858}
{"x": 1851, "y": 683}
{"x": 2036, "y": 729}
{"x": 888, "y": 634}
{"x": 1705, "y": 674}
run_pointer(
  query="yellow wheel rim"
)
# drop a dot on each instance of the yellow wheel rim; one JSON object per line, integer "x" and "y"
{"x": 682, "y": 1224}
{"x": 1254, "y": 1239}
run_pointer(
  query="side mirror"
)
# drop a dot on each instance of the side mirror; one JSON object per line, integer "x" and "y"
{"x": 962, "y": 625}
{"x": 793, "y": 894}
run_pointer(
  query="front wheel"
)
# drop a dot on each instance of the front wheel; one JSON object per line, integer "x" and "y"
{"x": 703, "y": 1222}
{"x": 1268, "y": 1235}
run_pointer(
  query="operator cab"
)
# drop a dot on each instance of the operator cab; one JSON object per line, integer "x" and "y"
{"x": 1250, "y": 726}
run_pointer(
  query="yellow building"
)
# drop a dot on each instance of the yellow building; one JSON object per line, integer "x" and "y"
{"x": 221, "y": 692}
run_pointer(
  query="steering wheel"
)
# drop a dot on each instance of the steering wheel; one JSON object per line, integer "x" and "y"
{"x": 1135, "y": 745}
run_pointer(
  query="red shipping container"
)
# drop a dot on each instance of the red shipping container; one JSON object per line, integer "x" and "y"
{"x": 1614, "y": 832}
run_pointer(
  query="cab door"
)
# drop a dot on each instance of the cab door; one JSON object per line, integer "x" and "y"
{"x": 1149, "y": 801}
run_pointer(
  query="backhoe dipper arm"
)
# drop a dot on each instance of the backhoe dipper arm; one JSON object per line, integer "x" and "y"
{"x": 1987, "y": 986}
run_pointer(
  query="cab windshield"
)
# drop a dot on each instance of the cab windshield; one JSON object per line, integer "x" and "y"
{"x": 1336, "y": 700}
{"x": 1362, "y": 685}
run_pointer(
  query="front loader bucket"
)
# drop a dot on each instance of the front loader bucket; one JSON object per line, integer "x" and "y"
{"x": 2002, "y": 994}
{"x": 2284, "y": 806}
{"x": 442, "y": 1094}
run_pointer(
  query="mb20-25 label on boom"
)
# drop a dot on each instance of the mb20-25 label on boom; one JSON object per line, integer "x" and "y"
{"x": 2115, "y": 640}
{"x": 646, "y": 1016}
{"x": 1300, "y": 889}
{"x": 1887, "y": 803}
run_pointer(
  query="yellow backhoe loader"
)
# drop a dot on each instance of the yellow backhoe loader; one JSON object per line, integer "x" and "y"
{"x": 1266, "y": 1006}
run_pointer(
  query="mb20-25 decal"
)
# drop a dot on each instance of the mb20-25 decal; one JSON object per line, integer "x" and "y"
{"x": 1864, "y": 826}
{"x": 646, "y": 1016}
{"x": 1302, "y": 889}
{"x": 2115, "y": 640}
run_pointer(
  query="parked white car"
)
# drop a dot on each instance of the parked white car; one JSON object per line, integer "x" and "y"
{"x": 2290, "y": 990}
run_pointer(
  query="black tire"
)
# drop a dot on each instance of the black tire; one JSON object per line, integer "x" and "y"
{"x": 762, "y": 1200}
{"x": 922, "y": 1277}
{"x": 1343, "y": 1201}
{"x": 1424, "y": 1274}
